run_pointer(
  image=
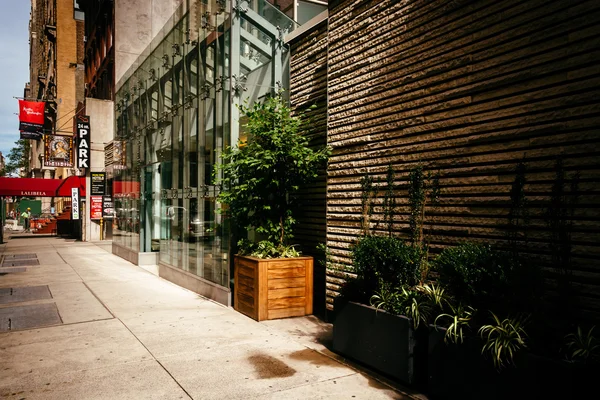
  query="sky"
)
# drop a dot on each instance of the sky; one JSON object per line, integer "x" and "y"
{"x": 14, "y": 66}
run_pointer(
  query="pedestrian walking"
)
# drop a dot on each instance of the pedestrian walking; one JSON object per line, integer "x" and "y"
{"x": 26, "y": 215}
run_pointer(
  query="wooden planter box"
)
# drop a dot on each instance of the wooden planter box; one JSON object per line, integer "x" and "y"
{"x": 385, "y": 342}
{"x": 273, "y": 288}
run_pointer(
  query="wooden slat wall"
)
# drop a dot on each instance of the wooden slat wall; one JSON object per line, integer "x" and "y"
{"x": 469, "y": 89}
{"x": 308, "y": 87}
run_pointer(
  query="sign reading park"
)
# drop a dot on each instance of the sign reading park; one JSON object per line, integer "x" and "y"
{"x": 83, "y": 141}
{"x": 74, "y": 203}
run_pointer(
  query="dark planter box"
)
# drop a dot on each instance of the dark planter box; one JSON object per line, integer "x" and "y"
{"x": 462, "y": 372}
{"x": 382, "y": 341}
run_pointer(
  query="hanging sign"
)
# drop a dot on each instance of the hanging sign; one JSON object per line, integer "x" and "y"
{"x": 95, "y": 207}
{"x": 108, "y": 209}
{"x": 83, "y": 141}
{"x": 119, "y": 150}
{"x": 98, "y": 183}
{"x": 31, "y": 116}
{"x": 58, "y": 151}
{"x": 31, "y": 135}
{"x": 74, "y": 203}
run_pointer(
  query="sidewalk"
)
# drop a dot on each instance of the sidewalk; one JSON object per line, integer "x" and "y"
{"x": 85, "y": 324}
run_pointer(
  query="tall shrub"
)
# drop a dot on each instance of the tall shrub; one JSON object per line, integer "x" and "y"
{"x": 261, "y": 175}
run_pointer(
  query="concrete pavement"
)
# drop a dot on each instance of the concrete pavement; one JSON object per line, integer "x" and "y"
{"x": 112, "y": 330}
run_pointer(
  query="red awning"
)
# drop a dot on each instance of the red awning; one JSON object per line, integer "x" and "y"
{"x": 38, "y": 187}
{"x": 64, "y": 189}
{"x": 129, "y": 189}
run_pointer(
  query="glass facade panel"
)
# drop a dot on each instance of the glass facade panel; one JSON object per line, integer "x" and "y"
{"x": 177, "y": 112}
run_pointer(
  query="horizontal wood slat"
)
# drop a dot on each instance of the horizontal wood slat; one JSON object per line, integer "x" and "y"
{"x": 287, "y": 273}
{"x": 288, "y": 292}
{"x": 286, "y": 312}
{"x": 286, "y": 302}
{"x": 285, "y": 263}
{"x": 286, "y": 283}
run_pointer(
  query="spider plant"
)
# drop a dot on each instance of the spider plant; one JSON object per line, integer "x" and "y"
{"x": 460, "y": 321}
{"x": 582, "y": 346}
{"x": 503, "y": 339}
{"x": 415, "y": 305}
{"x": 385, "y": 298}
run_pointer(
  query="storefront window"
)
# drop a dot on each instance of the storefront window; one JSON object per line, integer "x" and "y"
{"x": 178, "y": 112}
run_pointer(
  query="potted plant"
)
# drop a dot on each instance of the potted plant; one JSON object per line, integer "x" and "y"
{"x": 260, "y": 178}
{"x": 390, "y": 334}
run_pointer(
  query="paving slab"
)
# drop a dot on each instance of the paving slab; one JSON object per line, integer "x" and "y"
{"x": 67, "y": 348}
{"x": 251, "y": 369}
{"x": 352, "y": 387}
{"x": 76, "y": 303}
{"x": 135, "y": 380}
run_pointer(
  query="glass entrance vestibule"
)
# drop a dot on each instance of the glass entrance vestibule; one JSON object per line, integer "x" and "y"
{"x": 175, "y": 112}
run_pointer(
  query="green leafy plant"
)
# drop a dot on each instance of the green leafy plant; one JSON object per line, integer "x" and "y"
{"x": 559, "y": 215}
{"x": 386, "y": 298}
{"x": 367, "y": 193}
{"x": 266, "y": 249}
{"x": 388, "y": 258}
{"x": 503, "y": 339}
{"x": 417, "y": 303}
{"x": 583, "y": 347}
{"x": 261, "y": 176}
{"x": 423, "y": 188}
{"x": 518, "y": 215}
{"x": 389, "y": 200}
{"x": 459, "y": 321}
{"x": 487, "y": 279}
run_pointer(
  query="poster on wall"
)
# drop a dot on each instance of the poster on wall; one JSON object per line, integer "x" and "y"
{"x": 119, "y": 151}
{"x": 95, "y": 207}
{"x": 98, "y": 183}
{"x": 58, "y": 151}
{"x": 74, "y": 203}
{"x": 83, "y": 141}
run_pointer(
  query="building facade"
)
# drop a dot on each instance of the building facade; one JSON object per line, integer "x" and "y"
{"x": 176, "y": 110}
{"x": 468, "y": 89}
{"x": 57, "y": 78}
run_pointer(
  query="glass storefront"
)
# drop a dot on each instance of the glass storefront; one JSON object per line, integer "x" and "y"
{"x": 176, "y": 112}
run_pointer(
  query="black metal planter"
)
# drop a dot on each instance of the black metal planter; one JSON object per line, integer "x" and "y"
{"x": 462, "y": 372}
{"x": 385, "y": 342}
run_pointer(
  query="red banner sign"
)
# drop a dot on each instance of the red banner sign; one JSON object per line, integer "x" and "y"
{"x": 95, "y": 207}
{"x": 31, "y": 116}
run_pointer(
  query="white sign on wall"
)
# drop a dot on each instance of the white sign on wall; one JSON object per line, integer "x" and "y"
{"x": 74, "y": 203}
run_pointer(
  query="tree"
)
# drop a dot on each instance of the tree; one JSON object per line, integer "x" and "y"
{"x": 261, "y": 176}
{"x": 18, "y": 157}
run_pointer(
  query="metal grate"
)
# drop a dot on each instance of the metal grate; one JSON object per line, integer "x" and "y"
{"x": 21, "y": 294}
{"x": 19, "y": 260}
{"x": 19, "y": 263}
{"x": 20, "y": 256}
{"x": 26, "y": 317}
